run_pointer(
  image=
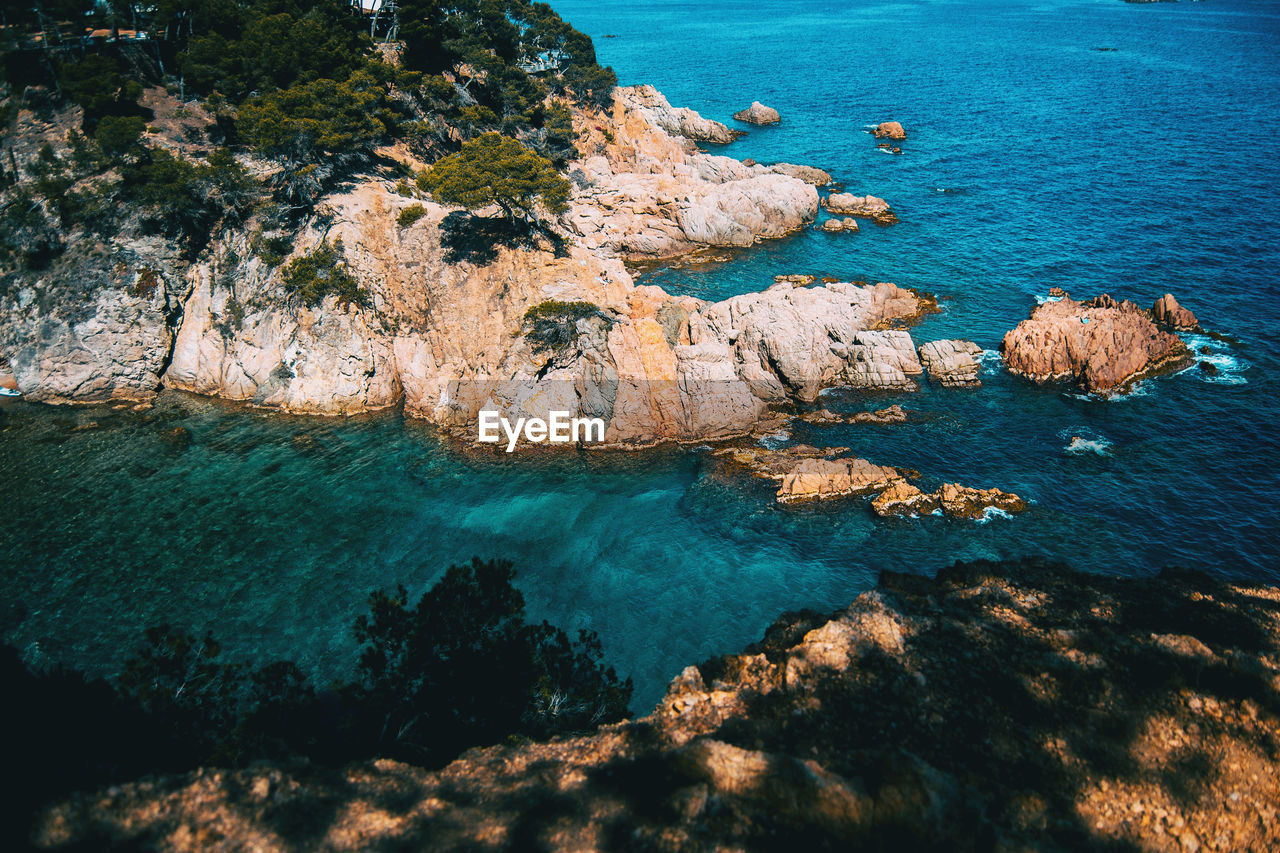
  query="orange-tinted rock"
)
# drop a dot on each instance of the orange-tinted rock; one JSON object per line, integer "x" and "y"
{"x": 904, "y": 499}
{"x": 814, "y": 479}
{"x": 870, "y": 207}
{"x": 963, "y": 502}
{"x": 1170, "y": 315}
{"x": 1102, "y": 344}
{"x": 889, "y": 130}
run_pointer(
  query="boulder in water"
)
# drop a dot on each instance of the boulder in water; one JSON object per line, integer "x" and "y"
{"x": 758, "y": 113}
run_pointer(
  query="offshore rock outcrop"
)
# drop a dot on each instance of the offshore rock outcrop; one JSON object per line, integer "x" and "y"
{"x": 953, "y": 364}
{"x": 758, "y": 113}
{"x": 1172, "y": 316}
{"x": 1102, "y": 344}
{"x": 951, "y": 500}
{"x": 1018, "y": 706}
{"x": 889, "y": 130}
{"x": 869, "y": 207}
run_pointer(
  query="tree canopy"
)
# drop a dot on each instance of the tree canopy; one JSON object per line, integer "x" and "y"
{"x": 496, "y": 169}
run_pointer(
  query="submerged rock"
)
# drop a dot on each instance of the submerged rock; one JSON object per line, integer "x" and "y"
{"x": 869, "y": 207}
{"x": 758, "y": 113}
{"x": 1103, "y": 345}
{"x": 893, "y": 415}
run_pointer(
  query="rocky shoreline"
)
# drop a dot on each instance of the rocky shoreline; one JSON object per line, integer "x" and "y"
{"x": 1018, "y": 706}
{"x": 446, "y": 334}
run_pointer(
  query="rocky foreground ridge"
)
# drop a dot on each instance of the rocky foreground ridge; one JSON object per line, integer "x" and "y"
{"x": 998, "y": 706}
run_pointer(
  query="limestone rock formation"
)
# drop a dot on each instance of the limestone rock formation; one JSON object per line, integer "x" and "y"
{"x": 817, "y": 479}
{"x": 889, "y": 130}
{"x": 1171, "y": 316}
{"x": 758, "y": 113}
{"x": 954, "y": 364}
{"x": 869, "y": 207}
{"x": 1102, "y": 344}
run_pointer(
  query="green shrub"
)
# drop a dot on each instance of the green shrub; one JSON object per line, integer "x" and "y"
{"x": 496, "y": 169}
{"x": 410, "y": 215}
{"x": 553, "y": 324}
{"x": 271, "y": 250}
{"x": 404, "y": 188}
{"x": 118, "y": 136}
{"x": 323, "y": 272}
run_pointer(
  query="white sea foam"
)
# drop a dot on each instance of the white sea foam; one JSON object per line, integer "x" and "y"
{"x": 1040, "y": 300}
{"x": 776, "y": 440}
{"x": 1080, "y": 446}
{"x": 993, "y": 512}
{"x": 1230, "y": 367}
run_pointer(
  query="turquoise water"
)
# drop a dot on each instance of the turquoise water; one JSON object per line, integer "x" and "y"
{"x": 1034, "y": 161}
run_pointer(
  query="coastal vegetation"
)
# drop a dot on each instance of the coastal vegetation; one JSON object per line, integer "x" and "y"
{"x": 322, "y": 272}
{"x": 311, "y": 87}
{"x": 461, "y": 666}
{"x": 496, "y": 170}
{"x": 553, "y": 324}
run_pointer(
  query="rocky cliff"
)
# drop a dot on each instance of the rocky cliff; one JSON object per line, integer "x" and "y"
{"x": 1008, "y": 707}
{"x": 445, "y": 327}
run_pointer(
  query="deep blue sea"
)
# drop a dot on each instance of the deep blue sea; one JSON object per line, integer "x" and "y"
{"x": 1035, "y": 160}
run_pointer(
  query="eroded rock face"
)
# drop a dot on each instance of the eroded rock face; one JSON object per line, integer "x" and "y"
{"x": 889, "y": 130}
{"x": 1101, "y": 344}
{"x": 869, "y": 207}
{"x": 97, "y": 325}
{"x": 954, "y": 364}
{"x": 904, "y": 499}
{"x": 808, "y": 174}
{"x": 445, "y": 331}
{"x": 758, "y": 113}
{"x": 645, "y": 191}
{"x": 1172, "y": 316}
{"x": 890, "y": 724}
{"x": 678, "y": 121}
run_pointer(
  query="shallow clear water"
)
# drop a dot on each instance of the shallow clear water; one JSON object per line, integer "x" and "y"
{"x": 1034, "y": 161}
